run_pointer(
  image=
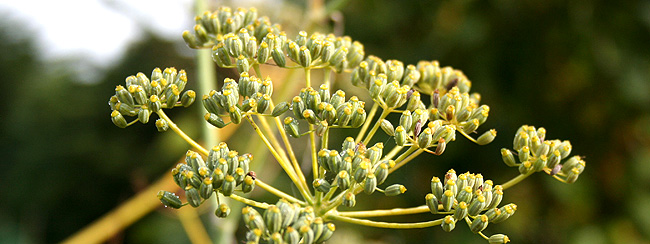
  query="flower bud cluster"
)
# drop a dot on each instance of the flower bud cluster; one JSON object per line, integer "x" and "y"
{"x": 355, "y": 166}
{"x": 425, "y": 77}
{"x": 320, "y": 50}
{"x": 212, "y": 26}
{"x": 240, "y": 39}
{"x": 143, "y": 96}
{"x": 462, "y": 110}
{"x": 535, "y": 154}
{"x": 223, "y": 171}
{"x": 322, "y": 109}
{"x": 285, "y": 222}
{"x": 255, "y": 96}
{"x": 467, "y": 196}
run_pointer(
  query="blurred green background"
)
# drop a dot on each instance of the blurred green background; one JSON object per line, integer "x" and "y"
{"x": 581, "y": 69}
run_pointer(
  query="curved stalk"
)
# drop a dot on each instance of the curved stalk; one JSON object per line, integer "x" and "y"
{"x": 277, "y": 192}
{"x": 182, "y": 134}
{"x": 516, "y": 180}
{"x": 379, "y": 224}
{"x": 385, "y": 212}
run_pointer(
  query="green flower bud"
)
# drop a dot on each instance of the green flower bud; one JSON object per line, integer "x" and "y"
{"x": 343, "y": 180}
{"x": 448, "y": 223}
{"x": 242, "y": 64}
{"x": 400, "y": 136}
{"x": 162, "y": 125}
{"x": 192, "y": 195}
{"x": 154, "y": 103}
{"x": 291, "y": 236}
{"x": 206, "y": 190}
{"x": 279, "y": 57}
{"x": 118, "y": 119}
{"x": 447, "y": 200}
{"x": 487, "y": 137}
{"x": 248, "y": 184}
{"x": 479, "y": 224}
{"x": 394, "y": 190}
{"x": 460, "y": 210}
{"x": 220, "y": 56}
{"x": 465, "y": 195}
{"x": 508, "y": 158}
{"x": 228, "y": 185}
{"x": 451, "y": 184}
{"x": 498, "y": 239}
{"x": 540, "y": 163}
{"x": 436, "y": 187}
{"x": 304, "y": 57}
{"x": 169, "y": 199}
{"x": 432, "y": 203}
{"x": 222, "y": 211}
{"x": 291, "y": 127}
{"x": 263, "y": 53}
{"x": 506, "y": 212}
{"x": 477, "y": 205}
{"x": 280, "y": 109}
{"x": 525, "y": 167}
{"x": 349, "y": 199}
{"x": 307, "y": 234}
{"x": 321, "y": 185}
{"x": 497, "y": 196}
{"x": 358, "y": 118}
{"x": 188, "y": 98}
{"x": 370, "y": 184}
{"x": 327, "y": 233}
{"x": 318, "y": 227}
{"x": 381, "y": 173}
{"x": 218, "y": 177}
{"x": 425, "y": 138}
{"x": 235, "y": 114}
{"x": 273, "y": 218}
{"x": 524, "y": 154}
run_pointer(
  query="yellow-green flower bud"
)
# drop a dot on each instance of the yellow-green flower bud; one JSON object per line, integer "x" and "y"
{"x": 188, "y": 98}
{"x": 291, "y": 236}
{"x": 524, "y": 154}
{"x": 525, "y": 167}
{"x": 498, "y": 239}
{"x": 370, "y": 184}
{"x": 460, "y": 210}
{"x": 169, "y": 199}
{"x": 400, "y": 136}
{"x": 291, "y": 127}
{"x": 321, "y": 185}
{"x": 343, "y": 180}
{"x": 448, "y": 223}
{"x": 447, "y": 200}
{"x": 508, "y": 157}
{"x": 432, "y": 203}
{"x": 228, "y": 185}
{"x": 162, "y": 125}
{"x": 206, "y": 190}
{"x": 304, "y": 56}
{"x": 394, "y": 190}
{"x": 381, "y": 173}
{"x": 235, "y": 114}
{"x": 118, "y": 119}
{"x": 506, "y": 212}
{"x": 465, "y": 195}
{"x": 280, "y": 109}
{"x": 358, "y": 117}
{"x": 479, "y": 224}
{"x": 540, "y": 163}
{"x": 487, "y": 137}
{"x": 218, "y": 177}
{"x": 497, "y": 196}
{"x": 273, "y": 218}
{"x": 425, "y": 138}
{"x": 222, "y": 211}
{"x": 349, "y": 199}
{"x": 436, "y": 187}
{"x": 279, "y": 57}
{"x": 220, "y": 56}
{"x": 192, "y": 195}
{"x": 477, "y": 205}
{"x": 307, "y": 234}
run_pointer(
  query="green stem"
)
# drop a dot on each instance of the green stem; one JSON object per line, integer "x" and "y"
{"x": 307, "y": 77}
{"x": 249, "y": 201}
{"x": 385, "y": 212}
{"x": 277, "y": 192}
{"x": 182, "y": 134}
{"x": 516, "y": 180}
{"x": 384, "y": 224}
{"x": 312, "y": 139}
{"x": 374, "y": 129}
{"x": 401, "y": 163}
{"x": 371, "y": 115}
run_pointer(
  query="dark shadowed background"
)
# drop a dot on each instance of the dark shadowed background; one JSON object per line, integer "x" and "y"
{"x": 581, "y": 69}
